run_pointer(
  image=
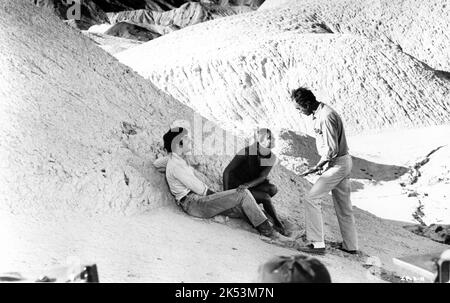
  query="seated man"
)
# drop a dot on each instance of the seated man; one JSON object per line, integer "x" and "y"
{"x": 250, "y": 168}
{"x": 195, "y": 198}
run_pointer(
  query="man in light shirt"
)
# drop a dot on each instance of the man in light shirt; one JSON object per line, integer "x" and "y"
{"x": 332, "y": 147}
{"x": 194, "y": 196}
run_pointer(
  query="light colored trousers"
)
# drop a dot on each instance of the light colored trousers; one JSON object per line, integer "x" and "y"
{"x": 336, "y": 179}
{"x": 230, "y": 203}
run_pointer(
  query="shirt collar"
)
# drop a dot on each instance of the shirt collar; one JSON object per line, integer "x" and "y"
{"x": 177, "y": 157}
{"x": 317, "y": 111}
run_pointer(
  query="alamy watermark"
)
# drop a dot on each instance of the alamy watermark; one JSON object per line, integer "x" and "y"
{"x": 73, "y": 9}
{"x": 209, "y": 139}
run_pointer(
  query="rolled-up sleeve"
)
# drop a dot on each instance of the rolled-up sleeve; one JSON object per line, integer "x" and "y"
{"x": 161, "y": 163}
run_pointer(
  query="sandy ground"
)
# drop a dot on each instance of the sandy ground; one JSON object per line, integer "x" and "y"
{"x": 400, "y": 174}
{"x": 162, "y": 246}
{"x": 390, "y": 200}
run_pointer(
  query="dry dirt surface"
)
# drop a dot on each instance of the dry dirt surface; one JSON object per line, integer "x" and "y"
{"x": 111, "y": 44}
{"x": 78, "y": 133}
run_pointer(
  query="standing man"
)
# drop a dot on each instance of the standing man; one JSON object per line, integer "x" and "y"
{"x": 332, "y": 147}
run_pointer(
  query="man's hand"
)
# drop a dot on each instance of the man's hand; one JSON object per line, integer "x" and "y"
{"x": 316, "y": 169}
{"x": 242, "y": 187}
{"x": 311, "y": 171}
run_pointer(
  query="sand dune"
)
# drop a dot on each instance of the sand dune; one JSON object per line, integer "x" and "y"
{"x": 421, "y": 29}
{"x": 238, "y": 71}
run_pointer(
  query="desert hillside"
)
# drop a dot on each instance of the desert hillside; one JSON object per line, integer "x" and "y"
{"x": 239, "y": 70}
{"x": 78, "y": 133}
{"x": 420, "y": 28}
{"x": 169, "y": 14}
{"x": 117, "y": 25}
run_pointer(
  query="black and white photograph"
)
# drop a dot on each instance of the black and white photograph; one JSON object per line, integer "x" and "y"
{"x": 224, "y": 142}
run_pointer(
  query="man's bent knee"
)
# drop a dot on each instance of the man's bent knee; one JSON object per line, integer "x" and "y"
{"x": 264, "y": 198}
{"x": 244, "y": 194}
{"x": 272, "y": 190}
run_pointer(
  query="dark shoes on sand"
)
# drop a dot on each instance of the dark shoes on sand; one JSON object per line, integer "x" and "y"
{"x": 280, "y": 233}
{"x": 282, "y": 230}
{"x": 265, "y": 229}
{"x": 310, "y": 249}
{"x": 352, "y": 252}
{"x": 275, "y": 232}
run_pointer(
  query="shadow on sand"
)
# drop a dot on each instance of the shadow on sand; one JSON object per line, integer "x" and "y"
{"x": 303, "y": 147}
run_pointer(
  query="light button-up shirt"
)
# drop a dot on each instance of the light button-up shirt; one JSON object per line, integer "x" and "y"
{"x": 329, "y": 132}
{"x": 180, "y": 176}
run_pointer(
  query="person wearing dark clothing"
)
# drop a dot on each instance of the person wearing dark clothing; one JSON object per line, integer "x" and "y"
{"x": 250, "y": 168}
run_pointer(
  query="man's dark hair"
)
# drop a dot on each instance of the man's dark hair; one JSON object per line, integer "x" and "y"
{"x": 294, "y": 269}
{"x": 303, "y": 96}
{"x": 172, "y": 137}
{"x": 262, "y": 131}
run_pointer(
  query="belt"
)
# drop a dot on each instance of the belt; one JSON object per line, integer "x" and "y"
{"x": 184, "y": 198}
{"x": 341, "y": 156}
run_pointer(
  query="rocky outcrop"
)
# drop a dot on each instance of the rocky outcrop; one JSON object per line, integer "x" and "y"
{"x": 428, "y": 182}
{"x": 188, "y": 14}
{"x": 114, "y": 5}
{"x": 131, "y": 31}
{"x": 250, "y": 3}
{"x": 166, "y": 5}
{"x": 90, "y": 13}
{"x": 421, "y": 29}
{"x": 153, "y": 16}
{"x": 124, "y": 5}
{"x": 94, "y": 12}
{"x": 246, "y": 66}
{"x": 436, "y": 232}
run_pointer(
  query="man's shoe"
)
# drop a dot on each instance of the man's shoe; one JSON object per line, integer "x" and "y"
{"x": 310, "y": 249}
{"x": 265, "y": 229}
{"x": 352, "y": 252}
{"x": 282, "y": 230}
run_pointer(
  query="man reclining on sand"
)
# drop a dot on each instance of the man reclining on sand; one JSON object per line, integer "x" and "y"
{"x": 195, "y": 198}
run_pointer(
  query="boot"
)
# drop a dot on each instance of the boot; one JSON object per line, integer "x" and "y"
{"x": 265, "y": 229}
